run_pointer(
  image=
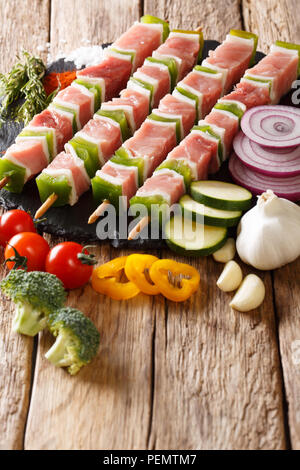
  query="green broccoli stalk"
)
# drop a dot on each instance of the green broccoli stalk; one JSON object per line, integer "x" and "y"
{"x": 77, "y": 339}
{"x": 36, "y": 294}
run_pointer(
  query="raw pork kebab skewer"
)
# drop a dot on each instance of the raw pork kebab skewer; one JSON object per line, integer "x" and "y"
{"x": 202, "y": 152}
{"x": 48, "y": 132}
{"x": 192, "y": 99}
{"x": 70, "y": 173}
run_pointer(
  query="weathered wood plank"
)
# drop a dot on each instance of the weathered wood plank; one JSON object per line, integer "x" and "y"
{"x": 280, "y": 20}
{"x": 25, "y": 25}
{"x": 108, "y": 405}
{"x": 72, "y": 23}
{"x": 272, "y": 20}
{"x": 217, "y": 373}
{"x": 287, "y": 302}
{"x": 15, "y": 377}
{"x": 215, "y": 18}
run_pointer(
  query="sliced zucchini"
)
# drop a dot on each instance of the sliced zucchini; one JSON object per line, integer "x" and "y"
{"x": 215, "y": 217}
{"x": 221, "y": 195}
{"x": 190, "y": 238}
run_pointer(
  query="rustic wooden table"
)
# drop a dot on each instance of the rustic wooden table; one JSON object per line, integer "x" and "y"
{"x": 192, "y": 376}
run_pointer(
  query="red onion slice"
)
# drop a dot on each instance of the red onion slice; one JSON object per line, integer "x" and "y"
{"x": 271, "y": 161}
{"x": 272, "y": 126}
{"x": 289, "y": 188}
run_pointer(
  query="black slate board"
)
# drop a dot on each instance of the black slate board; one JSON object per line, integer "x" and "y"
{"x": 71, "y": 222}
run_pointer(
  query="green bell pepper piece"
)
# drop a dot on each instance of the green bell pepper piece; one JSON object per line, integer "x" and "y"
{"x": 122, "y": 157}
{"x": 191, "y": 96}
{"x": 260, "y": 80}
{"x": 231, "y": 107}
{"x": 49, "y": 138}
{"x": 15, "y": 173}
{"x": 145, "y": 85}
{"x": 153, "y": 19}
{"x": 155, "y": 205}
{"x": 120, "y": 51}
{"x": 93, "y": 88}
{"x": 202, "y": 68}
{"x": 120, "y": 117}
{"x": 208, "y": 130}
{"x": 201, "y": 40}
{"x": 246, "y": 35}
{"x": 180, "y": 167}
{"x": 59, "y": 185}
{"x": 88, "y": 152}
{"x": 290, "y": 45}
{"x": 68, "y": 110}
{"x": 155, "y": 117}
{"x": 103, "y": 189}
{"x": 171, "y": 64}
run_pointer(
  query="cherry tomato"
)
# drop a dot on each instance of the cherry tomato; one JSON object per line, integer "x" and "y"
{"x": 32, "y": 246}
{"x": 13, "y": 222}
{"x": 74, "y": 271}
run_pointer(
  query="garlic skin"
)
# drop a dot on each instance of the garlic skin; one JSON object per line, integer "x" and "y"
{"x": 268, "y": 234}
{"x": 231, "y": 277}
{"x": 250, "y": 294}
{"x": 226, "y": 253}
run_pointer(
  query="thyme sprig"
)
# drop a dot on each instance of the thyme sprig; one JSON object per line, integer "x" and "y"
{"x": 24, "y": 81}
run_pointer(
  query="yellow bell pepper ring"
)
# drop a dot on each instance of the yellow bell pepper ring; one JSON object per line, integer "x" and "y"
{"x": 106, "y": 279}
{"x": 186, "y": 279}
{"x": 136, "y": 268}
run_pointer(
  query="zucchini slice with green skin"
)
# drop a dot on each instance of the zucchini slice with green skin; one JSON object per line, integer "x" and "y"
{"x": 189, "y": 238}
{"x": 215, "y": 217}
{"x": 221, "y": 195}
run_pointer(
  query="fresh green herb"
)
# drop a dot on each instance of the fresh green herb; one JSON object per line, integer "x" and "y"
{"x": 24, "y": 81}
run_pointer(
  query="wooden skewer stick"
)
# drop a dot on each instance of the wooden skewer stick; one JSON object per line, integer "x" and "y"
{"x": 46, "y": 205}
{"x": 99, "y": 211}
{"x": 139, "y": 227}
{"x": 4, "y": 181}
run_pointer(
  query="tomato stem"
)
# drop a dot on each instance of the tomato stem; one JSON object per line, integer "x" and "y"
{"x": 20, "y": 261}
{"x": 87, "y": 258}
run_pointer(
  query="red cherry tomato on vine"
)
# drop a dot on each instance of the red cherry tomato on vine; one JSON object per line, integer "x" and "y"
{"x": 71, "y": 263}
{"x": 29, "y": 245}
{"x": 13, "y": 222}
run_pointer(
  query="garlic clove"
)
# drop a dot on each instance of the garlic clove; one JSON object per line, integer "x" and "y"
{"x": 250, "y": 294}
{"x": 231, "y": 277}
{"x": 226, "y": 253}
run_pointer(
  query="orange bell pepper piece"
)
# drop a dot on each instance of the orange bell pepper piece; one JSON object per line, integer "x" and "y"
{"x": 106, "y": 280}
{"x": 188, "y": 279}
{"x": 135, "y": 269}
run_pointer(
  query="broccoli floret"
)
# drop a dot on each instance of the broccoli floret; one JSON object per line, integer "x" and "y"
{"x": 36, "y": 294}
{"x": 77, "y": 339}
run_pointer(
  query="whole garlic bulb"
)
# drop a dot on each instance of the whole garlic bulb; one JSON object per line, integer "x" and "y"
{"x": 269, "y": 234}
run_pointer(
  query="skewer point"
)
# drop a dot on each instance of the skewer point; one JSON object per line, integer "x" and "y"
{"x": 139, "y": 227}
{"x": 46, "y": 205}
{"x": 99, "y": 211}
{"x": 4, "y": 181}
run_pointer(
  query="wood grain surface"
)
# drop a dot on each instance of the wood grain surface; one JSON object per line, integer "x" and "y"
{"x": 272, "y": 20}
{"x": 24, "y": 25}
{"x": 215, "y": 18}
{"x": 167, "y": 376}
